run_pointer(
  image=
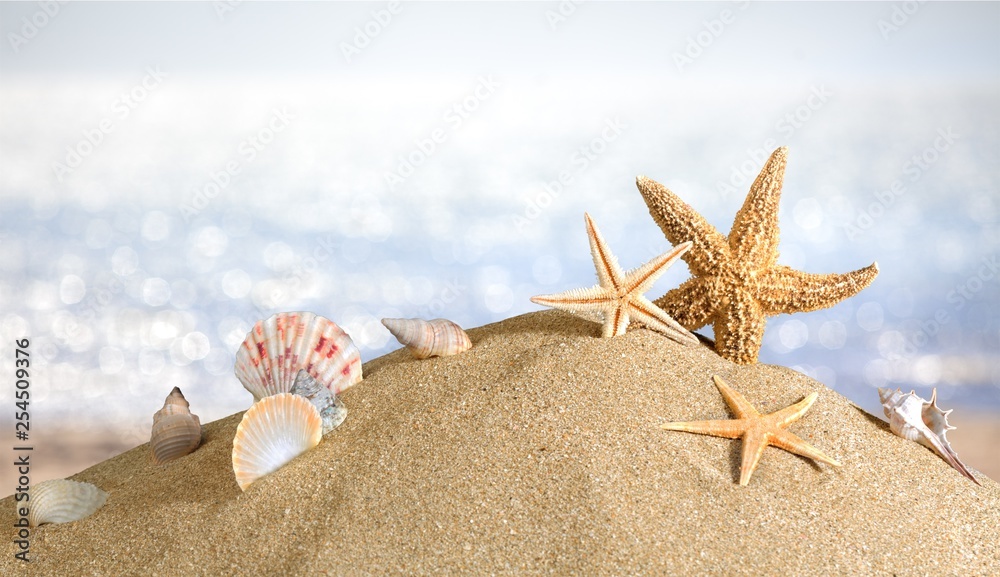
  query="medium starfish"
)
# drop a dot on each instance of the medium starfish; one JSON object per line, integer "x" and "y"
{"x": 619, "y": 296}
{"x": 758, "y": 431}
{"x": 737, "y": 282}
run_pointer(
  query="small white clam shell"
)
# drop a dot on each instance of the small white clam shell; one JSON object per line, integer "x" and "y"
{"x": 331, "y": 410}
{"x": 277, "y": 348}
{"x": 915, "y": 419}
{"x": 435, "y": 338}
{"x": 62, "y": 501}
{"x": 274, "y": 431}
{"x": 176, "y": 432}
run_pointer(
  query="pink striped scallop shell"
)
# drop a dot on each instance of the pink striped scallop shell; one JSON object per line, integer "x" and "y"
{"x": 277, "y": 348}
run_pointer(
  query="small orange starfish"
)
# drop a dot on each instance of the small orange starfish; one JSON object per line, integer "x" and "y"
{"x": 619, "y": 296}
{"x": 758, "y": 431}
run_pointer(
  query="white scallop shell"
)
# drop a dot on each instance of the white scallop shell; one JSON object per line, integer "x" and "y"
{"x": 436, "y": 338}
{"x": 62, "y": 501}
{"x": 331, "y": 410}
{"x": 922, "y": 421}
{"x": 176, "y": 432}
{"x": 276, "y": 349}
{"x": 274, "y": 431}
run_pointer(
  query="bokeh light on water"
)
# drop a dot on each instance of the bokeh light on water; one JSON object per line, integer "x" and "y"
{"x": 127, "y": 291}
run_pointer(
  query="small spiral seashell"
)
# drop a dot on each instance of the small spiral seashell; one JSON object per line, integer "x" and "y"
{"x": 436, "y": 338}
{"x": 915, "y": 419}
{"x": 276, "y": 349}
{"x": 176, "y": 432}
{"x": 331, "y": 410}
{"x": 274, "y": 431}
{"x": 62, "y": 501}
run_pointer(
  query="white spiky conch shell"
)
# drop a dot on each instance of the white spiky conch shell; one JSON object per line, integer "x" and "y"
{"x": 63, "y": 501}
{"x": 176, "y": 431}
{"x": 916, "y": 419}
{"x": 435, "y": 338}
{"x": 274, "y": 431}
{"x": 331, "y": 411}
{"x": 276, "y": 349}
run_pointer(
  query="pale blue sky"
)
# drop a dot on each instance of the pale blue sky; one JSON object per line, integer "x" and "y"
{"x": 783, "y": 42}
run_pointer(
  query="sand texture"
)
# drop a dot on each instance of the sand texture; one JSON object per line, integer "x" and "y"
{"x": 539, "y": 451}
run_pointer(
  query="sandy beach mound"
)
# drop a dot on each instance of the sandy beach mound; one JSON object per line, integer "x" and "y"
{"x": 539, "y": 450}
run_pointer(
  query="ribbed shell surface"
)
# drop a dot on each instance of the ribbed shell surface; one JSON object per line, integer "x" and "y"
{"x": 276, "y": 349}
{"x": 63, "y": 501}
{"x": 274, "y": 431}
{"x": 434, "y": 338}
{"x": 176, "y": 431}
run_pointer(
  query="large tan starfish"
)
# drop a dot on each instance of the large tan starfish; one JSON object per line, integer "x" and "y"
{"x": 619, "y": 296}
{"x": 758, "y": 431}
{"x": 737, "y": 282}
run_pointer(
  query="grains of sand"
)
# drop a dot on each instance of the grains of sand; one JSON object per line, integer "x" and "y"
{"x": 539, "y": 451}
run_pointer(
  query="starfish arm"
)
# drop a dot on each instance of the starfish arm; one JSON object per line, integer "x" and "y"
{"x": 739, "y": 329}
{"x": 641, "y": 279}
{"x": 615, "y": 322}
{"x": 653, "y": 317}
{"x": 690, "y": 304}
{"x": 791, "y": 413}
{"x": 754, "y": 443}
{"x": 753, "y": 239}
{"x": 792, "y": 443}
{"x": 681, "y": 223}
{"x": 594, "y": 298}
{"x": 732, "y": 429}
{"x": 609, "y": 273}
{"x": 737, "y": 402}
{"x": 788, "y": 290}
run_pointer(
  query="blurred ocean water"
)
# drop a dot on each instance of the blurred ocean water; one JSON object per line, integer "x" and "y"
{"x": 125, "y": 292}
{"x": 150, "y": 217}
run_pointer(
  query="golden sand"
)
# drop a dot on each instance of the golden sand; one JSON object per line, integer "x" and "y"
{"x": 539, "y": 451}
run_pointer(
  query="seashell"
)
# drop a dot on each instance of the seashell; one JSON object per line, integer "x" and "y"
{"x": 922, "y": 421}
{"x": 331, "y": 410}
{"x": 176, "y": 432}
{"x": 274, "y": 431}
{"x": 436, "y": 338}
{"x": 62, "y": 501}
{"x": 276, "y": 349}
